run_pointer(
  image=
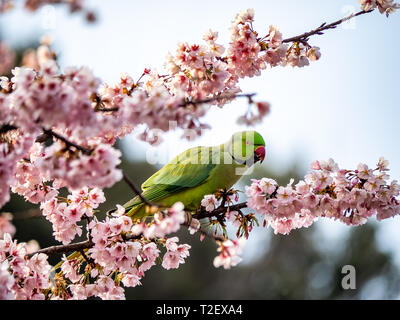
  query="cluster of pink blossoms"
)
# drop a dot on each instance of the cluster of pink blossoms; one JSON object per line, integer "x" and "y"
{"x": 22, "y": 278}
{"x": 198, "y": 72}
{"x": 248, "y": 53}
{"x": 175, "y": 254}
{"x": 350, "y": 196}
{"x": 99, "y": 169}
{"x": 33, "y": 176}
{"x": 122, "y": 253}
{"x": 65, "y": 214}
{"x": 47, "y": 99}
{"x": 30, "y": 183}
{"x": 162, "y": 224}
{"x": 10, "y": 154}
{"x": 33, "y": 102}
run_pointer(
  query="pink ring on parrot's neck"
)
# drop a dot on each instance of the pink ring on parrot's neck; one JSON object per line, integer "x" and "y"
{"x": 260, "y": 153}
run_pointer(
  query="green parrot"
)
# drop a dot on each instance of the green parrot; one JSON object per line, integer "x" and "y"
{"x": 197, "y": 172}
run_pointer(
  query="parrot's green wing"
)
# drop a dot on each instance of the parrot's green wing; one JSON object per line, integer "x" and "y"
{"x": 185, "y": 171}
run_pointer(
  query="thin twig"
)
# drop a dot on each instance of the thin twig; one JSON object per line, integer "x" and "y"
{"x": 100, "y": 109}
{"x": 67, "y": 142}
{"x": 87, "y": 244}
{"x": 202, "y": 213}
{"x": 206, "y": 234}
{"x": 303, "y": 38}
{"x": 78, "y": 246}
{"x": 89, "y": 260}
{"x": 128, "y": 237}
{"x": 195, "y": 102}
{"x": 136, "y": 190}
{"x": 216, "y": 98}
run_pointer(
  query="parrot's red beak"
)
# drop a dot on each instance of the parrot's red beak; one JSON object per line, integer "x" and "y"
{"x": 259, "y": 154}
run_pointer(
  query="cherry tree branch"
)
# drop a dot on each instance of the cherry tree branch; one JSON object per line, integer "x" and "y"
{"x": 78, "y": 246}
{"x": 202, "y": 213}
{"x": 69, "y": 143}
{"x": 87, "y": 244}
{"x": 249, "y": 96}
{"x": 303, "y": 38}
{"x": 217, "y": 98}
{"x": 47, "y": 133}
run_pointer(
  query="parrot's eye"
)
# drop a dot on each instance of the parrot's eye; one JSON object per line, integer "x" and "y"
{"x": 247, "y": 142}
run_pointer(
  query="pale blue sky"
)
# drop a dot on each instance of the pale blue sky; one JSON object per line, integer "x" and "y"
{"x": 345, "y": 106}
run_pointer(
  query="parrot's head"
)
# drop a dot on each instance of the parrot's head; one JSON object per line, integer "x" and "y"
{"x": 247, "y": 147}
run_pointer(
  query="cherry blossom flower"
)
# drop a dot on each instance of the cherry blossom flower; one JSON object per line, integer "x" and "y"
{"x": 175, "y": 254}
{"x": 230, "y": 251}
{"x": 209, "y": 202}
{"x": 194, "y": 226}
{"x": 234, "y": 218}
{"x": 70, "y": 269}
{"x": 314, "y": 54}
{"x": 107, "y": 289}
{"x": 383, "y": 164}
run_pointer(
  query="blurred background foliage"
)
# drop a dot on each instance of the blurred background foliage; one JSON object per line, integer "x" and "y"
{"x": 301, "y": 265}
